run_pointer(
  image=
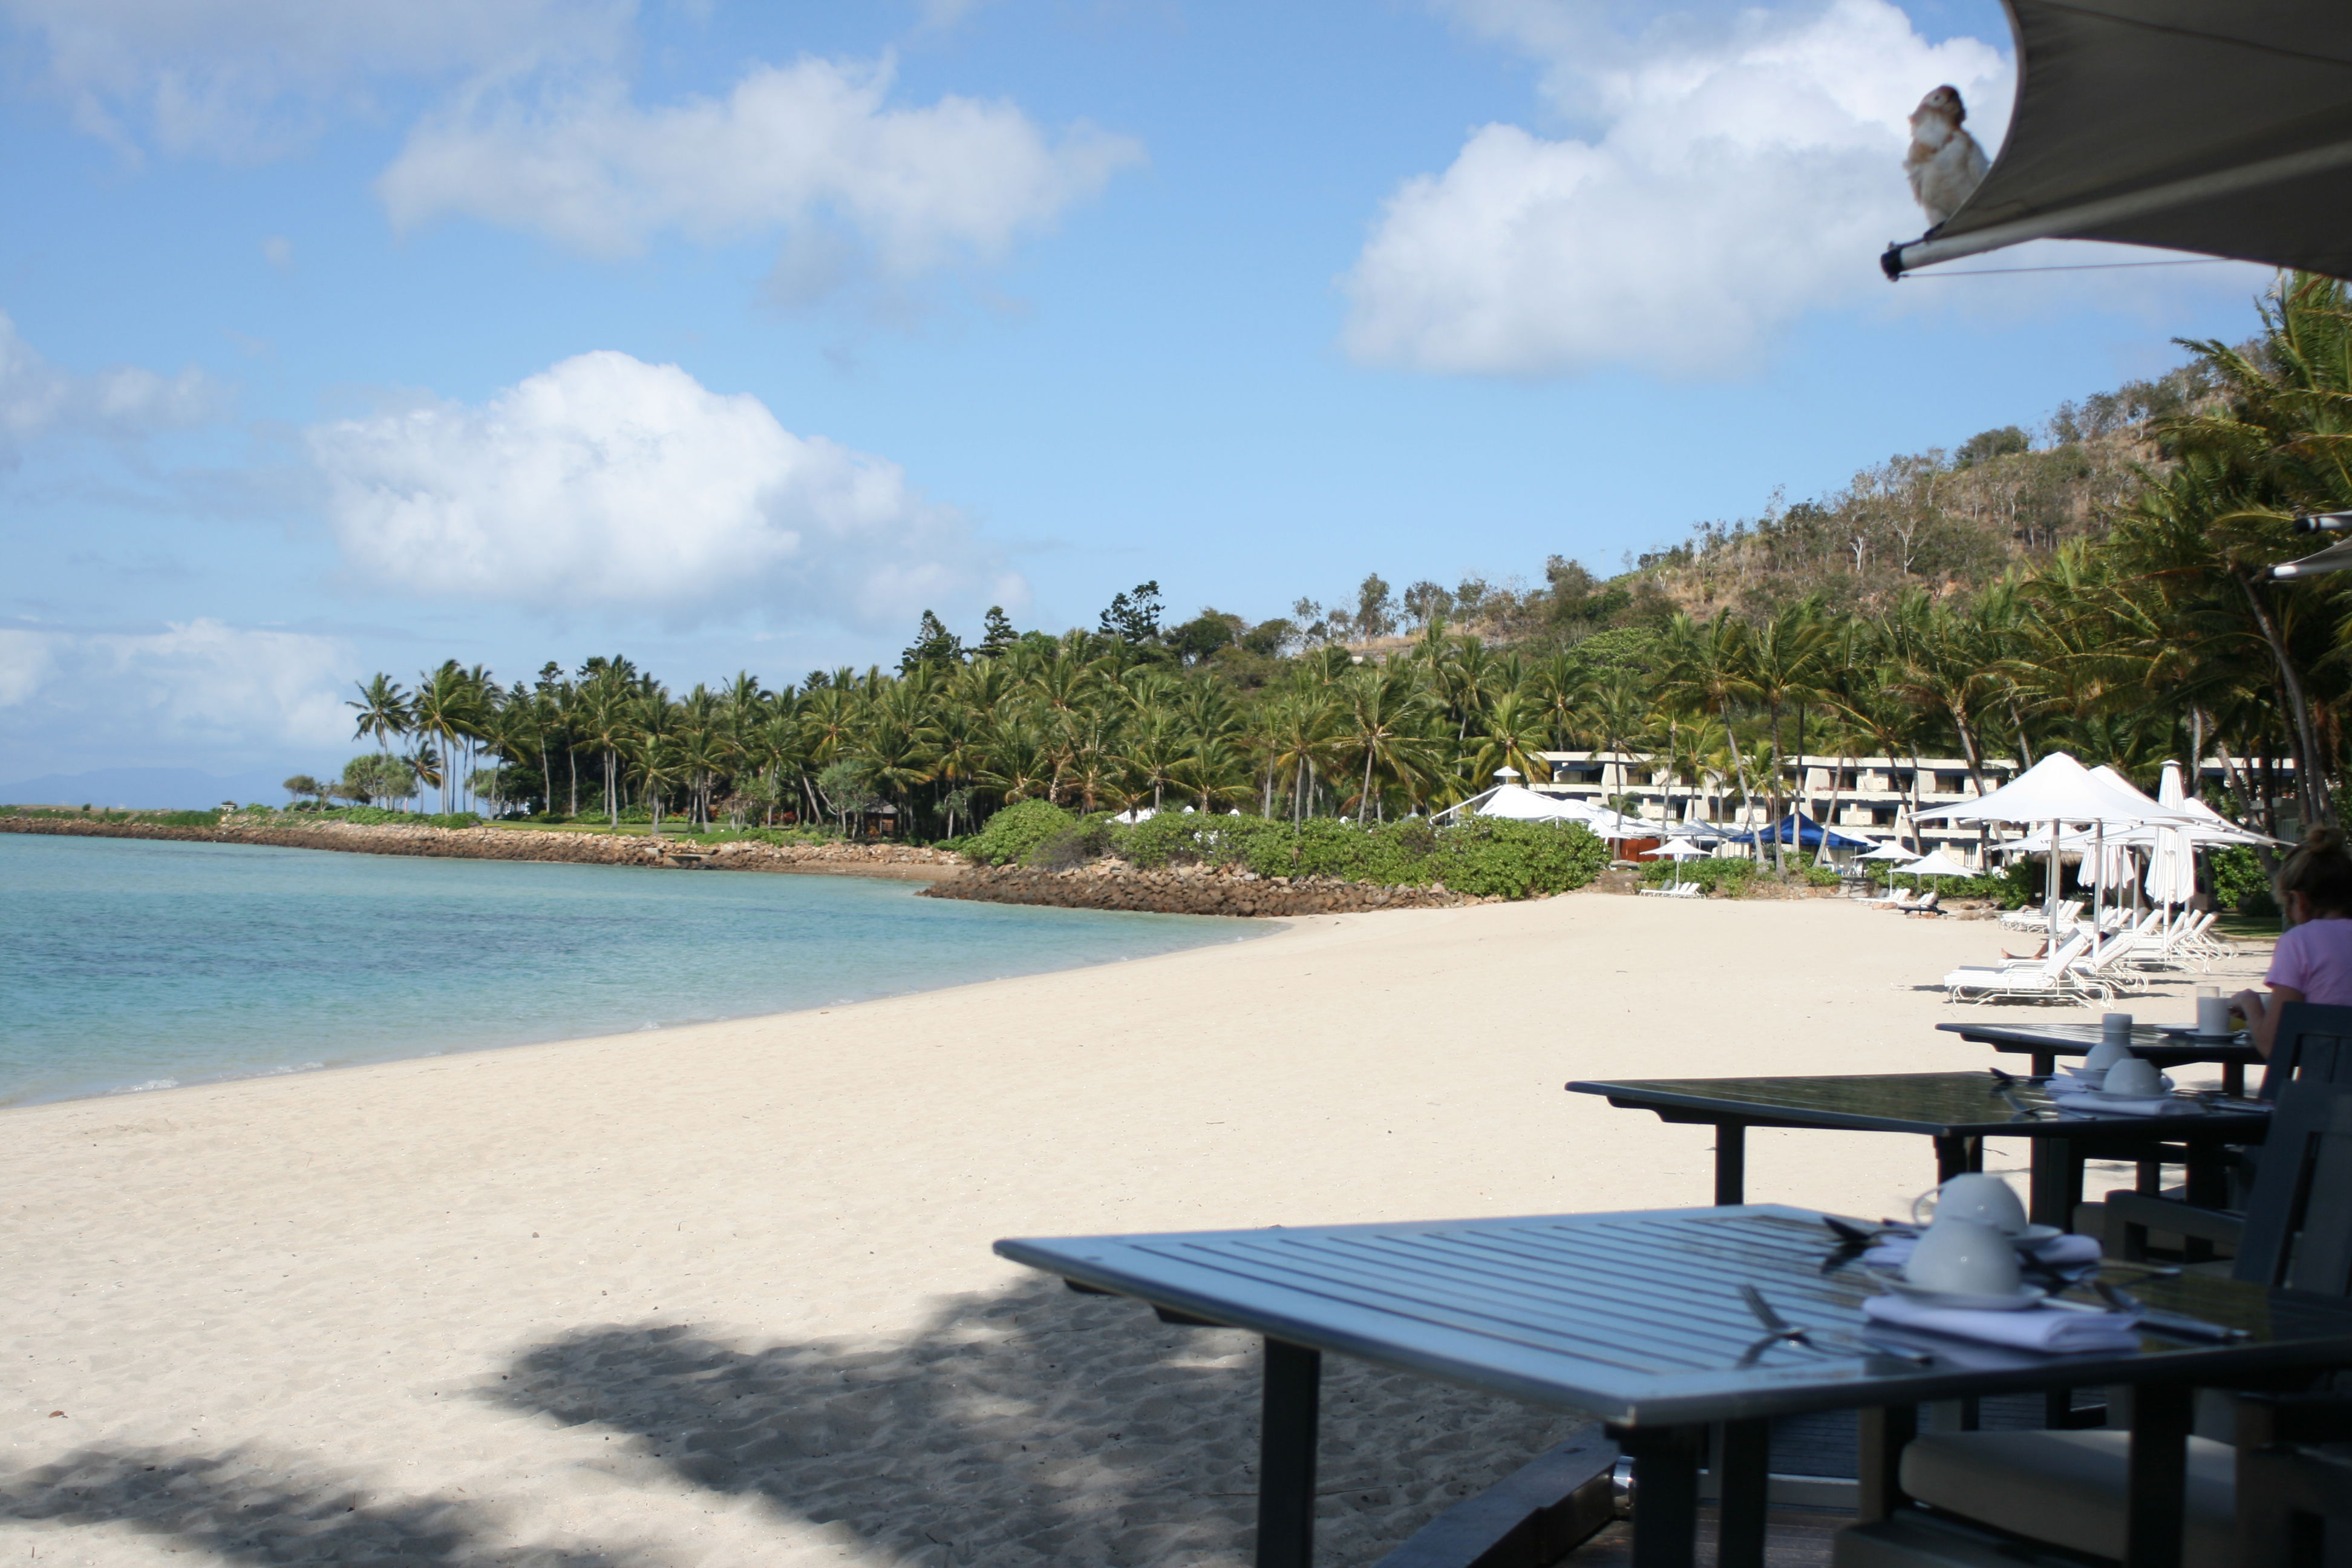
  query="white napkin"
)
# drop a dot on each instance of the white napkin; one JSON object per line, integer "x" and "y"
{"x": 2083, "y": 1077}
{"x": 2058, "y": 1252}
{"x": 2158, "y": 1105}
{"x": 2050, "y": 1329}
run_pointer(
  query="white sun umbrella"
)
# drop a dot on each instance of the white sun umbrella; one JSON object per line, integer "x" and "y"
{"x": 1936, "y": 865}
{"x": 1889, "y": 851}
{"x": 2172, "y": 858}
{"x": 1677, "y": 850}
{"x": 2058, "y": 790}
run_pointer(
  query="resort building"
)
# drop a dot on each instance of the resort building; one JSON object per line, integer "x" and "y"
{"x": 1869, "y": 798}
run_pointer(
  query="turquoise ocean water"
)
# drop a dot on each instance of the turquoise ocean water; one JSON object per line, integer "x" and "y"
{"x": 132, "y": 964}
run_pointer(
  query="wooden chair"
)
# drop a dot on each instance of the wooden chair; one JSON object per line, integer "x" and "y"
{"x": 2068, "y": 1489}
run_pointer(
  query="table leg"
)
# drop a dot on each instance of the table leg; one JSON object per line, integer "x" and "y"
{"x": 1879, "y": 1464}
{"x": 2055, "y": 1186}
{"x": 1957, "y": 1157}
{"x": 2161, "y": 1415}
{"x": 2234, "y": 1079}
{"x": 2045, "y": 1064}
{"x": 1285, "y": 1464}
{"x": 1730, "y": 1162}
{"x": 2208, "y": 1181}
{"x": 1666, "y": 1492}
{"x": 1743, "y": 1455}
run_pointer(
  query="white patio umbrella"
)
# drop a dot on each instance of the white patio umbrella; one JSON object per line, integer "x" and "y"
{"x": 1936, "y": 865}
{"x": 2172, "y": 858}
{"x": 2058, "y": 790}
{"x": 1888, "y": 852}
{"x": 1677, "y": 850}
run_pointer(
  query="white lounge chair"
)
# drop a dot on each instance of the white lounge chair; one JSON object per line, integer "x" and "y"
{"x": 2053, "y": 978}
{"x": 2036, "y": 919}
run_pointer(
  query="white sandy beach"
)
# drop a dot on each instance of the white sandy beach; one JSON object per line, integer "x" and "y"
{"x": 724, "y": 1294}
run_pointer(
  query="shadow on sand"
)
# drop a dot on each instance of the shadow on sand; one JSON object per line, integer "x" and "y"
{"x": 1027, "y": 1427}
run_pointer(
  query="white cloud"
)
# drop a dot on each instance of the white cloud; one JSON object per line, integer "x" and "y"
{"x": 251, "y": 79}
{"x": 812, "y": 143}
{"x": 607, "y": 483}
{"x": 198, "y": 685}
{"x": 37, "y": 397}
{"x": 1738, "y": 176}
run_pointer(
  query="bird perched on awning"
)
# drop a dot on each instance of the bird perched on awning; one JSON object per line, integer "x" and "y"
{"x": 1945, "y": 163}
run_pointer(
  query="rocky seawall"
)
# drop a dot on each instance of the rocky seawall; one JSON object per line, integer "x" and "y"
{"x": 908, "y": 861}
{"x": 1187, "y": 891}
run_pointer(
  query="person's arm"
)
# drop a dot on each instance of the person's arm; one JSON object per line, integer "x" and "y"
{"x": 2261, "y": 1017}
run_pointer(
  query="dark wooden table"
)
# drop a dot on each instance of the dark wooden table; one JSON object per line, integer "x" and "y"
{"x": 1637, "y": 1318}
{"x": 1957, "y": 1110}
{"x": 2045, "y": 1043}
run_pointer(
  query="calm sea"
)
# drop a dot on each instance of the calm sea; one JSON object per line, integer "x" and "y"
{"x": 127, "y": 964}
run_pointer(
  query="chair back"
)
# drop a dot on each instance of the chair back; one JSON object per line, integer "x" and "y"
{"x": 2063, "y": 955}
{"x": 2298, "y": 1224}
{"x": 2311, "y": 1042}
{"x": 1931, "y": 900}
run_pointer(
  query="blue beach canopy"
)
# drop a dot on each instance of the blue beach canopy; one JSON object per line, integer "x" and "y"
{"x": 1808, "y": 835}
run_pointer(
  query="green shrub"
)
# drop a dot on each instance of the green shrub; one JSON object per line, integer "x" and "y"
{"x": 636, "y": 814}
{"x": 1068, "y": 848}
{"x": 186, "y": 819}
{"x": 1483, "y": 855}
{"x": 1721, "y": 879}
{"x": 1011, "y": 833}
{"x": 2238, "y": 883}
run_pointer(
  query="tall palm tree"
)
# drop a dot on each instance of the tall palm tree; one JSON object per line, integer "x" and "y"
{"x": 383, "y": 711}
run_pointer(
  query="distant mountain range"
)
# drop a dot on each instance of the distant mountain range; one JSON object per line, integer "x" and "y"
{"x": 148, "y": 789}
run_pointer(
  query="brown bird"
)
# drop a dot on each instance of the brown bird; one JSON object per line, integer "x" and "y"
{"x": 1944, "y": 161}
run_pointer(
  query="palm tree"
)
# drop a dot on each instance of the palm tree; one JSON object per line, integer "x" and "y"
{"x": 383, "y": 711}
{"x": 1385, "y": 717}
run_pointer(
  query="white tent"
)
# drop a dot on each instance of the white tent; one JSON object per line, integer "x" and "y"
{"x": 1889, "y": 851}
{"x": 1518, "y": 802}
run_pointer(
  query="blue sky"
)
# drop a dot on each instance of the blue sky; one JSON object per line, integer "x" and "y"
{"x": 347, "y": 339}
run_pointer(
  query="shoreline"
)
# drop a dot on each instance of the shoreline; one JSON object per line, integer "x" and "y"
{"x": 901, "y": 862}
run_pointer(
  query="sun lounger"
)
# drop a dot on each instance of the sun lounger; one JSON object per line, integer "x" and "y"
{"x": 2035, "y": 919}
{"x": 2053, "y": 978}
{"x": 1933, "y": 904}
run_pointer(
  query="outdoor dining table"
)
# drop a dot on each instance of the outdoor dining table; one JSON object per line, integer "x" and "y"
{"x": 1638, "y": 1319}
{"x": 2047, "y": 1042}
{"x": 1958, "y": 1110}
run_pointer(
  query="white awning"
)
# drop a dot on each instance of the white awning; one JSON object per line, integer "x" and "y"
{"x": 2184, "y": 124}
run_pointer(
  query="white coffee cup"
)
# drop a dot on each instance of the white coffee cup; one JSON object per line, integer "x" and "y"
{"x": 2115, "y": 1026}
{"x": 2106, "y": 1054}
{"x": 2135, "y": 1077}
{"x": 2213, "y": 1014}
{"x": 1965, "y": 1258}
{"x": 1976, "y": 1198}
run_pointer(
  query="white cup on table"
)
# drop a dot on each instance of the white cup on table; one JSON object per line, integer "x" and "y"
{"x": 2116, "y": 1027}
{"x": 2212, "y": 1012}
{"x": 2135, "y": 1077}
{"x": 1976, "y": 1198}
{"x": 1965, "y": 1258}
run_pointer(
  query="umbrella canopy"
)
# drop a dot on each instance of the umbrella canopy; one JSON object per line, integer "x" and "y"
{"x": 1936, "y": 865}
{"x": 2058, "y": 789}
{"x": 1888, "y": 852}
{"x": 2225, "y": 130}
{"x": 1678, "y": 849}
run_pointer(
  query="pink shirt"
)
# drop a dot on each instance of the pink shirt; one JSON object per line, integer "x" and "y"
{"x": 2316, "y": 958}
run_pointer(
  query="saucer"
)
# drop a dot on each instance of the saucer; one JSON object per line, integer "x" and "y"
{"x": 2101, "y": 1095}
{"x": 2026, "y": 1296}
{"x": 2035, "y": 1235}
{"x": 2189, "y": 1032}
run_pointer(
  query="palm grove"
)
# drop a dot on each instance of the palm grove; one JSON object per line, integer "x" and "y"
{"x": 2103, "y": 589}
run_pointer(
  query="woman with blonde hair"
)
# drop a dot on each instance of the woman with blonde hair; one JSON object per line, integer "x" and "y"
{"x": 2313, "y": 961}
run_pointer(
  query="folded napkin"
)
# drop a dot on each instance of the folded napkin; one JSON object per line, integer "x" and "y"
{"x": 2050, "y": 1329}
{"x": 2082, "y": 1077}
{"x": 2158, "y": 1105}
{"x": 2058, "y": 1252}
